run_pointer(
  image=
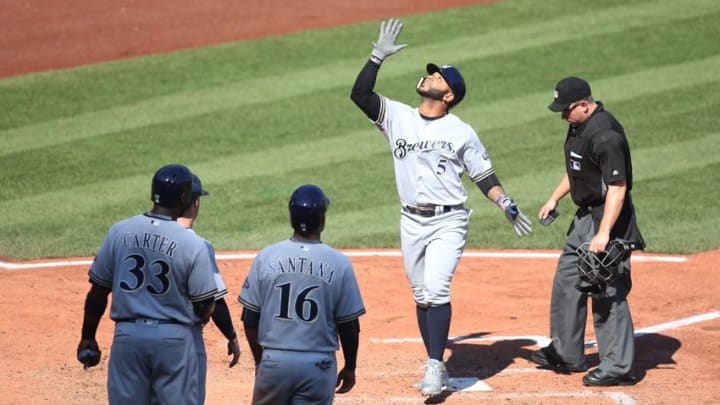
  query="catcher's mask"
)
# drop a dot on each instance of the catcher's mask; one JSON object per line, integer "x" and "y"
{"x": 600, "y": 269}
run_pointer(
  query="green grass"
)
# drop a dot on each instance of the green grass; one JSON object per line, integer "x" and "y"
{"x": 256, "y": 119}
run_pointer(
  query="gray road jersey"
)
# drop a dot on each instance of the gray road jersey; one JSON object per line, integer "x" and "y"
{"x": 301, "y": 290}
{"x": 430, "y": 156}
{"x": 219, "y": 282}
{"x": 155, "y": 268}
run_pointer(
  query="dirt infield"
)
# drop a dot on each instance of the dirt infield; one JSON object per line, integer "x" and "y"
{"x": 49, "y": 34}
{"x": 500, "y": 312}
{"x": 500, "y": 303}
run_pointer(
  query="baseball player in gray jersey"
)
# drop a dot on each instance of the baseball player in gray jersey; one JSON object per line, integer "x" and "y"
{"x": 221, "y": 315}
{"x": 431, "y": 149}
{"x": 161, "y": 279}
{"x": 298, "y": 297}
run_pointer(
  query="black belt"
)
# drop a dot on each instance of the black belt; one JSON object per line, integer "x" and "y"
{"x": 582, "y": 211}
{"x": 431, "y": 210}
{"x": 149, "y": 321}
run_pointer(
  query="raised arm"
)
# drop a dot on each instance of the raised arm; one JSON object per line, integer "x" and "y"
{"x": 362, "y": 92}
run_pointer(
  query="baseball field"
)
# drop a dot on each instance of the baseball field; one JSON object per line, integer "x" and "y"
{"x": 95, "y": 96}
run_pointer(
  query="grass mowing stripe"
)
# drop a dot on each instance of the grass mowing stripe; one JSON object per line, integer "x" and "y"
{"x": 492, "y": 116}
{"x": 648, "y": 164}
{"x": 186, "y": 104}
{"x": 618, "y": 88}
{"x": 263, "y": 163}
{"x": 530, "y": 187}
{"x": 686, "y": 221}
{"x": 581, "y": 25}
{"x": 482, "y": 117}
{"x": 665, "y": 160}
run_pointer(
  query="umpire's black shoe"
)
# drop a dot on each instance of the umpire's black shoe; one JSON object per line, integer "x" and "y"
{"x": 599, "y": 378}
{"x": 548, "y": 358}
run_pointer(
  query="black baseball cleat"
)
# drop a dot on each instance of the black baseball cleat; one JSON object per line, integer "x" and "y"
{"x": 548, "y": 358}
{"x": 598, "y": 378}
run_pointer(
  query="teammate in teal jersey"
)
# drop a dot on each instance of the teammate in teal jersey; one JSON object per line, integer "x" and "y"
{"x": 162, "y": 283}
{"x": 298, "y": 297}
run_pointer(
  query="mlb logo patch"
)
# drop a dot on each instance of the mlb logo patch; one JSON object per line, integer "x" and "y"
{"x": 575, "y": 165}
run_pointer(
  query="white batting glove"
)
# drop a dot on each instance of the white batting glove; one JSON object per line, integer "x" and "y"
{"x": 385, "y": 45}
{"x": 521, "y": 224}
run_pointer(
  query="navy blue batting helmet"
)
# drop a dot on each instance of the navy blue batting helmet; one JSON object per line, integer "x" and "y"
{"x": 171, "y": 186}
{"x": 197, "y": 188}
{"x": 453, "y": 78}
{"x": 307, "y": 208}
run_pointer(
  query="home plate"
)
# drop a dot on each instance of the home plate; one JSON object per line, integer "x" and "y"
{"x": 467, "y": 384}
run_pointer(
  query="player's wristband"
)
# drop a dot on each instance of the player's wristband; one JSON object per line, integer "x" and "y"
{"x": 376, "y": 59}
{"x": 502, "y": 201}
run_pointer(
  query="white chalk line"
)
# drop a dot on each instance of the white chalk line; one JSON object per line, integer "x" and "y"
{"x": 670, "y": 325}
{"x": 544, "y": 341}
{"x": 620, "y": 398}
{"x": 351, "y": 253}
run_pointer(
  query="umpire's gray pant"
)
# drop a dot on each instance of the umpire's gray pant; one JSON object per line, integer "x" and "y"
{"x": 611, "y": 313}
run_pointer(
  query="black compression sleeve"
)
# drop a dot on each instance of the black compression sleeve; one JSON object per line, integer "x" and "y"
{"x": 362, "y": 92}
{"x": 203, "y": 309}
{"x": 349, "y": 338}
{"x": 221, "y": 318}
{"x": 487, "y": 183}
{"x": 95, "y": 304}
{"x": 250, "y": 318}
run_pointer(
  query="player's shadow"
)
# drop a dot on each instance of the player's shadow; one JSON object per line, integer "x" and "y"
{"x": 481, "y": 360}
{"x": 652, "y": 351}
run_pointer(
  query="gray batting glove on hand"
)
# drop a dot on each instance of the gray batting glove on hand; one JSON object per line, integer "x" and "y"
{"x": 385, "y": 45}
{"x": 519, "y": 221}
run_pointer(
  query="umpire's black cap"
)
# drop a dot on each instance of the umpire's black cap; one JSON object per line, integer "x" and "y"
{"x": 568, "y": 91}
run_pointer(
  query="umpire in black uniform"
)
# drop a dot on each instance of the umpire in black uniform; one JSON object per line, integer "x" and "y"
{"x": 599, "y": 179}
